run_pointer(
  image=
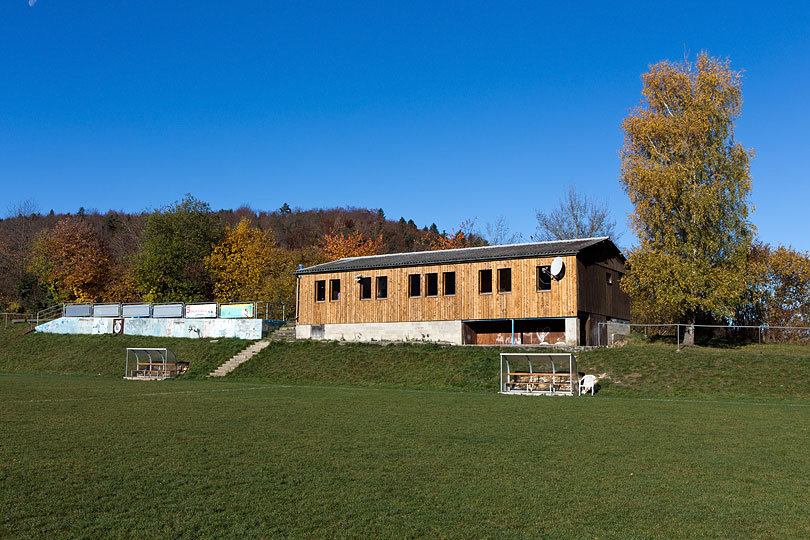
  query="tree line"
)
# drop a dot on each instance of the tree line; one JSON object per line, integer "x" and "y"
{"x": 189, "y": 252}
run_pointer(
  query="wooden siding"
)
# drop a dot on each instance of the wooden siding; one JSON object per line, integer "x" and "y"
{"x": 596, "y": 295}
{"x": 525, "y": 301}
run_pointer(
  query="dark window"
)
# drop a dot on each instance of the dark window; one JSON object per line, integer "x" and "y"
{"x": 382, "y": 287}
{"x": 449, "y": 283}
{"x": 414, "y": 285}
{"x": 334, "y": 290}
{"x": 320, "y": 290}
{"x": 504, "y": 280}
{"x": 543, "y": 278}
{"x": 609, "y": 277}
{"x": 365, "y": 288}
{"x": 432, "y": 284}
{"x": 484, "y": 281}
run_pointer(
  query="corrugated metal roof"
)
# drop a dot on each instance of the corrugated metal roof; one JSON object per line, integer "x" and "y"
{"x": 450, "y": 256}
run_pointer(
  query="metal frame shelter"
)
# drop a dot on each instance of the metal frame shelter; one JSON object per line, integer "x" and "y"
{"x": 553, "y": 374}
{"x": 152, "y": 364}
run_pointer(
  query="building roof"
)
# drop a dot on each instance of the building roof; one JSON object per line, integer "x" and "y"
{"x": 451, "y": 256}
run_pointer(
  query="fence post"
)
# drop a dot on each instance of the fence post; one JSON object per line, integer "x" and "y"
{"x": 678, "y": 336}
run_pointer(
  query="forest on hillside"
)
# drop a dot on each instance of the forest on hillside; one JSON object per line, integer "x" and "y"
{"x": 189, "y": 252}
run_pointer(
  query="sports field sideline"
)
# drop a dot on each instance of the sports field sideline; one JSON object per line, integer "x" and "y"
{"x": 95, "y": 457}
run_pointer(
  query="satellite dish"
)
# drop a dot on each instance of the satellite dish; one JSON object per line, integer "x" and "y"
{"x": 557, "y": 268}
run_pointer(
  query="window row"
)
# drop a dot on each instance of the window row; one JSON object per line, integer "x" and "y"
{"x": 431, "y": 284}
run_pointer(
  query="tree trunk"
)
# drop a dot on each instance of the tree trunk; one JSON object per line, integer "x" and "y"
{"x": 689, "y": 335}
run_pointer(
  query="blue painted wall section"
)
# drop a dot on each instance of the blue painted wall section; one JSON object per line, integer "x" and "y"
{"x": 187, "y": 328}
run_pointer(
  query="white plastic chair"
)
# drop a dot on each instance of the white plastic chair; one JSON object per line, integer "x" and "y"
{"x": 587, "y": 383}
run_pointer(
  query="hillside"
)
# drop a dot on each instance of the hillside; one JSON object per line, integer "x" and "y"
{"x": 103, "y": 355}
{"x": 640, "y": 369}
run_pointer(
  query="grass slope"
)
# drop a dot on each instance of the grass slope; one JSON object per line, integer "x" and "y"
{"x": 655, "y": 368}
{"x": 417, "y": 366}
{"x": 640, "y": 369}
{"x": 105, "y": 354}
{"x": 102, "y": 458}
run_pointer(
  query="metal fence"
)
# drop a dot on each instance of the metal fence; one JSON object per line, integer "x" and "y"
{"x": 731, "y": 333}
{"x": 11, "y": 318}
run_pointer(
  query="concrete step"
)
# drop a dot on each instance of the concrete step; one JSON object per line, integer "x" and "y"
{"x": 284, "y": 333}
{"x": 239, "y": 358}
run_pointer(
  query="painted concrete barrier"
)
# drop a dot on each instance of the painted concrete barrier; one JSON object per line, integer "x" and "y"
{"x": 186, "y": 328}
{"x": 435, "y": 331}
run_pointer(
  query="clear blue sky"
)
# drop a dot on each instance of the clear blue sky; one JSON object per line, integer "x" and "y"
{"x": 433, "y": 111}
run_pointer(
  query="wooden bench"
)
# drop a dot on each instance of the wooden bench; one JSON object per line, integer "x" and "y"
{"x": 533, "y": 381}
{"x": 159, "y": 369}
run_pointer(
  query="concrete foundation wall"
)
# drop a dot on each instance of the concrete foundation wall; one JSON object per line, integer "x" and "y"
{"x": 435, "y": 331}
{"x": 188, "y": 328}
{"x": 572, "y": 331}
{"x": 617, "y": 329}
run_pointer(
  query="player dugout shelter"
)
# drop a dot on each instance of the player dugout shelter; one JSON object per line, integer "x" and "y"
{"x": 531, "y": 293}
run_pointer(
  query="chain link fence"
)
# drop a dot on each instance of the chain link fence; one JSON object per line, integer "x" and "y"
{"x": 708, "y": 334}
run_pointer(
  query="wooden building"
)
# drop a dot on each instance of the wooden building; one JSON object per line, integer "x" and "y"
{"x": 533, "y": 293}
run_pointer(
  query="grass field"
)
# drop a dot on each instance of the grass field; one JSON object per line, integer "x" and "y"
{"x": 87, "y": 457}
{"x": 314, "y": 440}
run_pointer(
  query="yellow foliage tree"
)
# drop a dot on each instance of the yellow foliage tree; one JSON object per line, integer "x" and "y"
{"x": 240, "y": 262}
{"x": 689, "y": 181}
{"x": 340, "y": 246}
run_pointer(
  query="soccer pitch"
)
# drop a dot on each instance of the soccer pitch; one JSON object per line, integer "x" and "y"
{"x": 95, "y": 457}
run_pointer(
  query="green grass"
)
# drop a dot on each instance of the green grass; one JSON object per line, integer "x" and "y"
{"x": 96, "y": 457}
{"x": 415, "y": 366}
{"x": 647, "y": 369}
{"x": 105, "y": 354}
{"x": 640, "y": 369}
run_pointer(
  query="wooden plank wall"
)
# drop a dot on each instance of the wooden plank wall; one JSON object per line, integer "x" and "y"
{"x": 525, "y": 301}
{"x": 596, "y": 296}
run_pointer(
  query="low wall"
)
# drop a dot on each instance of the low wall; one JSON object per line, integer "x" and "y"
{"x": 187, "y": 328}
{"x": 616, "y": 330}
{"x": 435, "y": 331}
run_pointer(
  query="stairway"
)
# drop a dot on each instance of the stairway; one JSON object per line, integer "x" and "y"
{"x": 239, "y": 358}
{"x": 285, "y": 332}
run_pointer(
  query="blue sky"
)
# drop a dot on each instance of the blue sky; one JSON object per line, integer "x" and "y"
{"x": 435, "y": 111}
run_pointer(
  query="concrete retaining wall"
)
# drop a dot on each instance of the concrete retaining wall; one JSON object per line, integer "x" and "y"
{"x": 435, "y": 331}
{"x": 616, "y": 330}
{"x": 188, "y": 328}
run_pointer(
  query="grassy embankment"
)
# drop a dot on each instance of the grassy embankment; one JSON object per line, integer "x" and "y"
{"x": 641, "y": 368}
{"x": 103, "y": 355}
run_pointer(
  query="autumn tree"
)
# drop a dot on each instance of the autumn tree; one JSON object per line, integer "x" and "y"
{"x": 778, "y": 289}
{"x": 170, "y": 265}
{"x": 71, "y": 262}
{"x": 466, "y": 236}
{"x": 240, "y": 262}
{"x": 19, "y": 287}
{"x": 338, "y": 245}
{"x": 575, "y": 216}
{"x": 689, "y": 182}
